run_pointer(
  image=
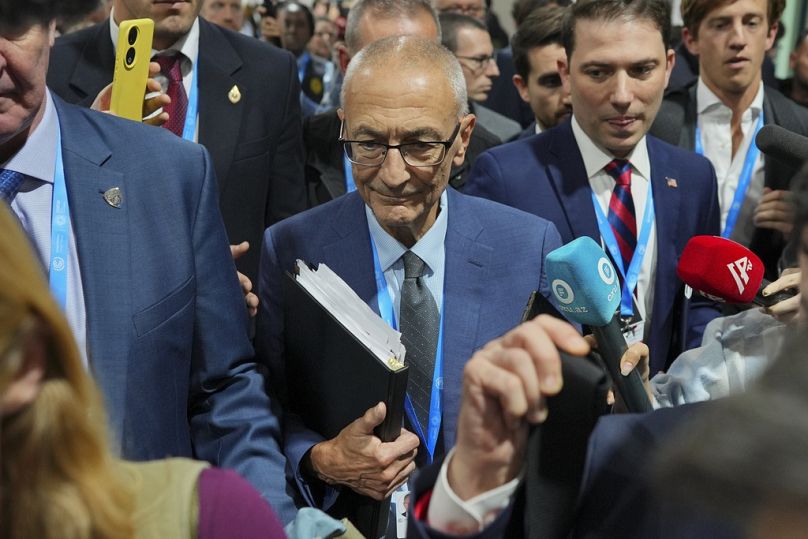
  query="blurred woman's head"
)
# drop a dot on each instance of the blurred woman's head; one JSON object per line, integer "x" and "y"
{"x": 57, "y": 478}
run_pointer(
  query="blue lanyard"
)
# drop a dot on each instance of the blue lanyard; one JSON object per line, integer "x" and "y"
{"x": 743, "y": 180}
{"x": 350, "y": 184}
{"x": 632, "y": 274}
{"x": 302, "y": 64}
{"x": 60, "y": 230}
{"x": 435, "y": 405}
{"x": 189, "y": 130}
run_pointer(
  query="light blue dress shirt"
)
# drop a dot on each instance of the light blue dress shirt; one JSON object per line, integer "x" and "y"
{"x": 37, "y": 160}
{"x": 430, "y": 248}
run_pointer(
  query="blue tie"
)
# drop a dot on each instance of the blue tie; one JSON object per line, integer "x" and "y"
{"x": 10, "y": 182}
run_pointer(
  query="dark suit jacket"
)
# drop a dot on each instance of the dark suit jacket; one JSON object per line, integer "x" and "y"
{"x": 544, "y": 175}
{"x": 676, "y": 124}
{"x": 167, "y": 329}
{"x": 325, "y": 172}
{"x": 485, "y": 290}
{"x": 618, "y": 497}
{"x": 255, "y": 143}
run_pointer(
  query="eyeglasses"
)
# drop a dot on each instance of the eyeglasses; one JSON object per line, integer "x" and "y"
{"x": 479, "y": 62}
{"x": 421, "y": 153}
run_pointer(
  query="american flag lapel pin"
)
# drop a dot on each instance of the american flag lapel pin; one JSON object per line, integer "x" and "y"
{"x": 671, "y": 182}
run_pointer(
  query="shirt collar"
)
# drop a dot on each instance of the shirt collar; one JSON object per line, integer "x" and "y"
{"x": 707, "y": 101}
{"x": 430, "y": 248}
{"x": 41, "y": 142}
{"x": 188, "y": 44}
{"x": 596, "y": 157}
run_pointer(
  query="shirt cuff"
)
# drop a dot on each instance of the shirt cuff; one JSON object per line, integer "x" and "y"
{"x": 449, "y": 514}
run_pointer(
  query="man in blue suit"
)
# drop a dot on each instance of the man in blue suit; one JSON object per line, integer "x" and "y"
{"x": 405, "y": 123}
{"x": 599, "y": 175}
{"x": 140, "y": 265}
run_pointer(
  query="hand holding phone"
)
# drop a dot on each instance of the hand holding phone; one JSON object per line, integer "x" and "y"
{"x": 132, "y": 59}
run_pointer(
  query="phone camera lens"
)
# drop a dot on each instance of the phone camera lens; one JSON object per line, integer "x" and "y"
{"x": 130, "y": 56}
{"x": 132, "y": 35}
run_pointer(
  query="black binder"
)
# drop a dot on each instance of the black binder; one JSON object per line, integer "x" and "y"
{"x": 331, "y": 380}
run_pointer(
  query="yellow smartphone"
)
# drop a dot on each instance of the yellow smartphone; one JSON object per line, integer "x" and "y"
{"x": 131, "y": 68}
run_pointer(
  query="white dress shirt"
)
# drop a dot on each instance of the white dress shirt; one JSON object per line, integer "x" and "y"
{"x": 714, "y": 119}
{"x": 430, "y": 248}
{"x": 188, "y": 45}
{"x": 32, "y": 205}
{"x": 595, "y": 159}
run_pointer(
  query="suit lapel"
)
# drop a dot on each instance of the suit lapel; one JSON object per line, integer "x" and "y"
{"x": 350, "y": 256}
{"x": 569, "y": 181}
{"x": 465, "y": 275}
{"x": 219, "y": 118}
{"x": 95, "y": 66}
{"x": 102, "y": 238}
{"x": 667, "y": 218}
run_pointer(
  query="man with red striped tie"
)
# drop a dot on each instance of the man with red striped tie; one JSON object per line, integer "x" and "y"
{"x": 600, "y": 175}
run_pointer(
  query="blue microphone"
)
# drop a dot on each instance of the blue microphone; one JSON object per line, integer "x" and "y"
{"x": 587, "y": 290}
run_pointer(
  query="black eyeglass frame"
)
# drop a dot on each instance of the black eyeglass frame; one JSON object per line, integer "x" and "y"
{"x": 481, "y": 61}
{"x": 402, "y": 148}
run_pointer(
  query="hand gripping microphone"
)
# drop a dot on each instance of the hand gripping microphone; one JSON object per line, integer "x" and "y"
{"x": 587, "y": 291}
{"x": 726, "y": 271}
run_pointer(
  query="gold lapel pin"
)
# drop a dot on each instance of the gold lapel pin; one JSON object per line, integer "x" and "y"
{"x": 234, "y": 95}
{"x": 114, "y": 197}
{"x": 671, "y": 182}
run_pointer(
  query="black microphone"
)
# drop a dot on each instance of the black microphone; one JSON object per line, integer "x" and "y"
{"x": 783, "y": 145}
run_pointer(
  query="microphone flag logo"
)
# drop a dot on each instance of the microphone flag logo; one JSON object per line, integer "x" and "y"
{"x": 740, "y": 272}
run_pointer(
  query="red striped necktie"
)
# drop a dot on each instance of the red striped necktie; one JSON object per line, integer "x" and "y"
{"x": 170, "y": 67}
{"x": 621, "y": 216}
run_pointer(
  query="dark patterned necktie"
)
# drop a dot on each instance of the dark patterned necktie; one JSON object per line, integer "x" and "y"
{"x": 10, "y": 182}
{"x": 420, "y": 323}
{"x": 170, "y": 67}
{"x": 622, "y": 217}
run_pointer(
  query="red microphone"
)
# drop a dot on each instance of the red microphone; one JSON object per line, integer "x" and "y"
{"x": 725, "y": 271}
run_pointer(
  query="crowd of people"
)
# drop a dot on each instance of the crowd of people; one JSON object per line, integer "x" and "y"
{"x": 144, "y": 369}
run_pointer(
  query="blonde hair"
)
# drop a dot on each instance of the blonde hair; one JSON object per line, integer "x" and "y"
{"x": 57, "y": 475}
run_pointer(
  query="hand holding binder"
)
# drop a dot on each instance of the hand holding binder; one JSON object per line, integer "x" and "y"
{"x": 358, "y": 459}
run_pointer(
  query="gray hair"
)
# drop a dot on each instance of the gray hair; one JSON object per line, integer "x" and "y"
{"x": 411, "y": 52}
{"x": 384, "y": 9}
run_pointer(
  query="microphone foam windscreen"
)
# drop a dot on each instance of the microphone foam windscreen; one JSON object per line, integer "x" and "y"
{"x": 782, "y": 144}
{"x": 584, "y": 282}
{"x": 721, "y": 268}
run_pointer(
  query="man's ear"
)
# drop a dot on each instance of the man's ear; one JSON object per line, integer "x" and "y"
{"x": 564, "y": 73}
{"x": 521, "y": 87}
{"x": 691, "y": 42}
{"x": 343, "y": 57}
{"x": 770, "y": 39}
{"x": 466, "y": 128}
{"x": 27, "y": 382}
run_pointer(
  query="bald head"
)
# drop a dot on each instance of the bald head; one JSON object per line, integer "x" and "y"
{"x": 372, "y": 20}
{"x": 411, "y": 54}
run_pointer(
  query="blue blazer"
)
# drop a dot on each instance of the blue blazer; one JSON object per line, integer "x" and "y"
{"x": 545, "y": 175}
{"x": 494, "y": 260}
{"x": 168, "y": 338}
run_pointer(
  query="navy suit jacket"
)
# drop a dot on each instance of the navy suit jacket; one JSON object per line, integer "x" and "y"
{"x": 167, "y": 330}
{"x": 256, "y": 143}
{"x": 545, "y": 175}
{"x": 494, "y": 260}
{"x": 618, "y": 496}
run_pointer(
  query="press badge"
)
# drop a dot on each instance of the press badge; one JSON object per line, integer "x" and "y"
{"x": 400, "y": 505}
{"x": 633, "y": 328}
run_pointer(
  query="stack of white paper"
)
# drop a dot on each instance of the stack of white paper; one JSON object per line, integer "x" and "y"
{"x": 342, "y": 302}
